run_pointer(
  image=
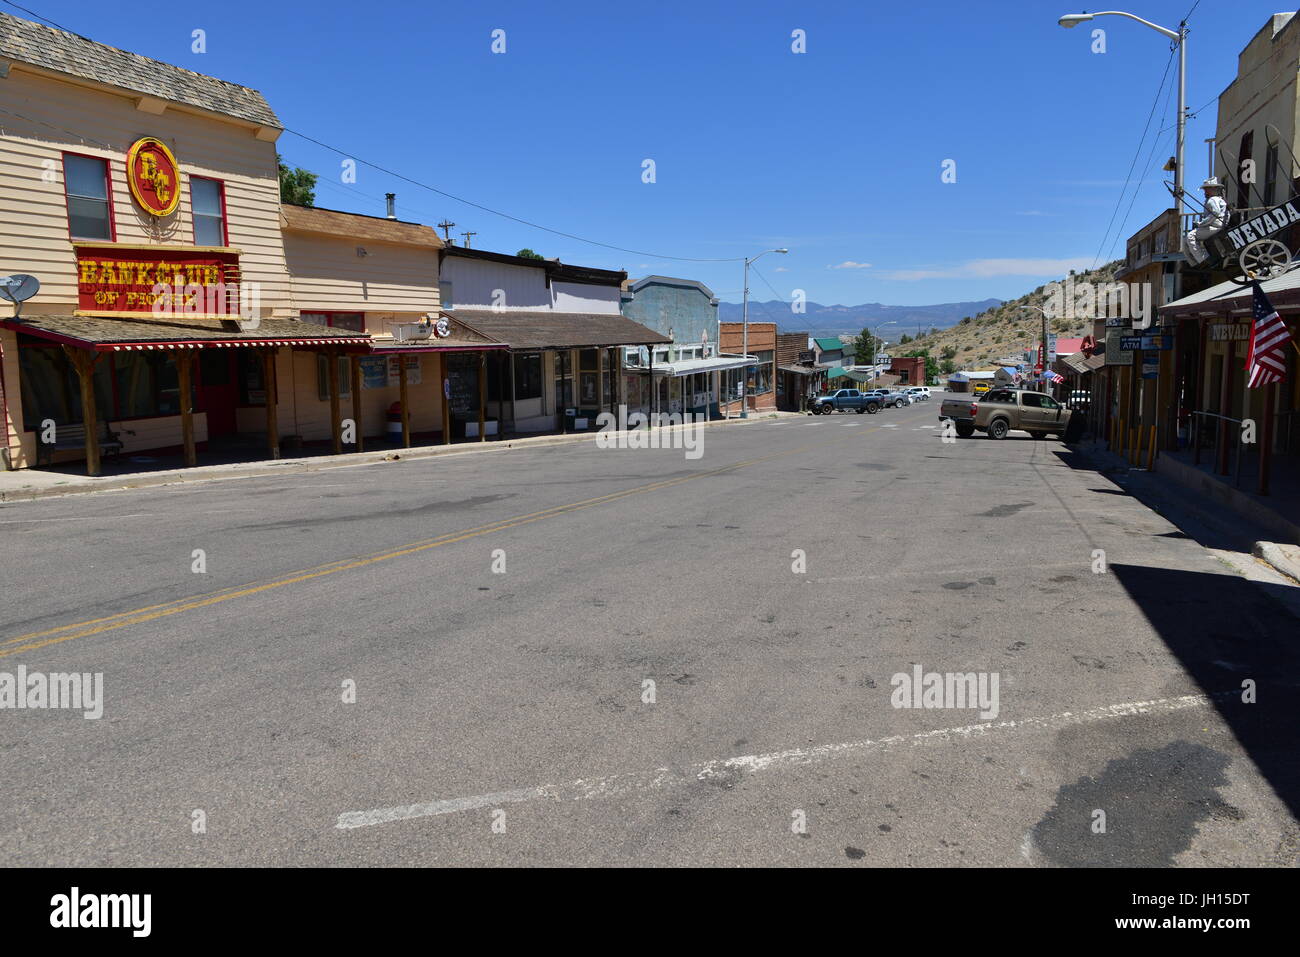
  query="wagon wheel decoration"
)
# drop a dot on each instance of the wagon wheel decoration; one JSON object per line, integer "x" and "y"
{"x": 1263, "y": 259}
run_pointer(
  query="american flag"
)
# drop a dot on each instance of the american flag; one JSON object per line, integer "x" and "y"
{"x": 1266, "y": 360}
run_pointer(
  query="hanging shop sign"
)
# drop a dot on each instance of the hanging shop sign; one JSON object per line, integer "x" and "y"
{"x": 1116, "y": 353}
{"x": 188, "y": 282}
{"x": 1150, "y": 367}
{"x": 154, "y": 176}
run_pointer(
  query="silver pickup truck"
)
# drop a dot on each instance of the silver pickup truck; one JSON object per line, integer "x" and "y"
{"x": 1000, "y": 410}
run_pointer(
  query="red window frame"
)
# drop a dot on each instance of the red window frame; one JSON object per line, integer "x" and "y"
{"x": 225, "y": 216}
{"x": 108, "y": 185}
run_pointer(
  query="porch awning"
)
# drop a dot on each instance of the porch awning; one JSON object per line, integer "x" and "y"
{"x": 692, "y": 366}
{"x": 530, "y": 330}
{"x": 123, "y": 335}
{"x": 1229, "y": 296}
{"x": 802, "y": 370}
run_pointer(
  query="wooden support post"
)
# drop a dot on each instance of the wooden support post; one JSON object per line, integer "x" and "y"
{"x": 482, "y": 396}
{"x": 403, "y": 396}
{"x": 332, "y": 374}
{"x": 272, "y": 399}
{"x": 184, "y": 379}
{"x": 354, "y": 363}
{"x": 84, "y": 363}
{"x": 1151, "y": 451}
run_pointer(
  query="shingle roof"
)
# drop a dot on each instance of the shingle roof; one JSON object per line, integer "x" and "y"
{"x": 67, "y": 53}
{"x": 96, "y": 331}
{"x": 332, "y": 222}
{"x": 523, "y": 329}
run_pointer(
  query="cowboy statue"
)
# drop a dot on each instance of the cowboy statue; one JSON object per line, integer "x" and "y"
{"x": 1213, "y": 220}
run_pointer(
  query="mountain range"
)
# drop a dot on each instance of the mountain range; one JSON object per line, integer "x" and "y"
{"x": 821, "y": 320}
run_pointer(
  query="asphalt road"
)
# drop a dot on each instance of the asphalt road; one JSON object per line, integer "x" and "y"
{"x": 504, "y": 717}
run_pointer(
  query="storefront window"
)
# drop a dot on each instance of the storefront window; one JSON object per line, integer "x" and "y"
{"x": 252, "y": 388}
{"x": 762, "y": 376}
{"x": 528, "y": 376}
{"x": 462, "y": 373}
{"x": 323, "y": 381}
{"x": 147, "y": 385}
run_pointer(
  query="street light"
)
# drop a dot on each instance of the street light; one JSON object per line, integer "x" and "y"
{"x": 744, "y": 348}
{"x": 1040, "y": 309}
{"x": 1179, "y": 37}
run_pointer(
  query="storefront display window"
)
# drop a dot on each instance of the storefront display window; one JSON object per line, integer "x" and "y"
{"x": 528, "y": 376}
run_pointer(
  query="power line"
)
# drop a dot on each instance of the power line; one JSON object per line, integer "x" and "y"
{"x": 1138, "y": 152}
{"x": 45, "y": 19}
{"x": 504, "y": 215}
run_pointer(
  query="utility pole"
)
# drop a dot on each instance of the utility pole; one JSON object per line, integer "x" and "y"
{"x": 445, "y": 226}
{"x": 467, "y": 236}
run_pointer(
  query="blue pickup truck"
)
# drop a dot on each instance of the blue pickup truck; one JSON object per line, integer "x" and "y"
{"x": 845, "y": 400}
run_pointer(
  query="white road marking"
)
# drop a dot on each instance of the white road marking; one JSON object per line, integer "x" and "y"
{"x": 91, "y": 518}
{"x": 891, "y": 425}
{"x": 620, "y": 785}
{"x": 848, "y": 425}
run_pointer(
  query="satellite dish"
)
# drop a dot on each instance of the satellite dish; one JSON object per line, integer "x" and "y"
{"x": 19, "y": 288}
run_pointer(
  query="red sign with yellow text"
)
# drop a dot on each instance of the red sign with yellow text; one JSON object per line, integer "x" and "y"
{"x": 166, "y": 281}
{"x": 153, "y": 175}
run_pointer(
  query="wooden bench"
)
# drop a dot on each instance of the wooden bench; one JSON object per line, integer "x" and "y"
{"x": 73, "y": 438}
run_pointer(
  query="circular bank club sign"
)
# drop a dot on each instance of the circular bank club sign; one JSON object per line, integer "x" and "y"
{"x": 154, "y": 176}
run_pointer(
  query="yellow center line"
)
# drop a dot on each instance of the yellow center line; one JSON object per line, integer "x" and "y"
{"x": 95, "y": 626}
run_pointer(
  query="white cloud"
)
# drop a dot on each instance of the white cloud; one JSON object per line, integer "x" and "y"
{"x": 994, "y": 268}
{"x": 850, "y": 264}
{"x": 780, "y": 269}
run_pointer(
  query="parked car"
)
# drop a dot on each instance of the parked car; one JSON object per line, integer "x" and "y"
{"x": 979, "y": 388}
{"x": 896, "y": 400}
{"x": 919, "y": 393}
{"x": 1002, "y": 410}
{"x": 844, "y": 400}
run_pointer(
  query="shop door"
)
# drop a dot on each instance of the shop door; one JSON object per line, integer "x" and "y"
{"x": 218, "y": 390}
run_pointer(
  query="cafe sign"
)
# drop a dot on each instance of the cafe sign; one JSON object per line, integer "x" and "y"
{"x": 168, "y": 281}
{"x": 154, "y": 176}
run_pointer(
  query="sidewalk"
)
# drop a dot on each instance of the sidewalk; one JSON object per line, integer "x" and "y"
{"x": 140, "y": 471}
{"x": 1228, "y": 522}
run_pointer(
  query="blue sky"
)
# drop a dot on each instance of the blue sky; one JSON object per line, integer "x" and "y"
{"x": 836, "y": 153}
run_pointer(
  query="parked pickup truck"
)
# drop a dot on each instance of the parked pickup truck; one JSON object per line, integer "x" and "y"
{"x": 844, "y": 400}
{"x": 1000, "y": 410}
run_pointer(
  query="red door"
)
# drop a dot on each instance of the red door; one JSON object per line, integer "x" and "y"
{"x": 218, "y": 390}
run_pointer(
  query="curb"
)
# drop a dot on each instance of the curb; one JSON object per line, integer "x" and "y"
{"x": 1283, "y": 558}
{"x": 324, "y": 462}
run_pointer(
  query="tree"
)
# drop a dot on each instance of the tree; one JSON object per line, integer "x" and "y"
{"x": 904, "y": 339}
{"x": 949, "y": 352}
{"x": 864, "y": 349}
{"x": 947, "y": 367}
{"x": 528, "y": 254}
{"x": 297, "y": 185}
